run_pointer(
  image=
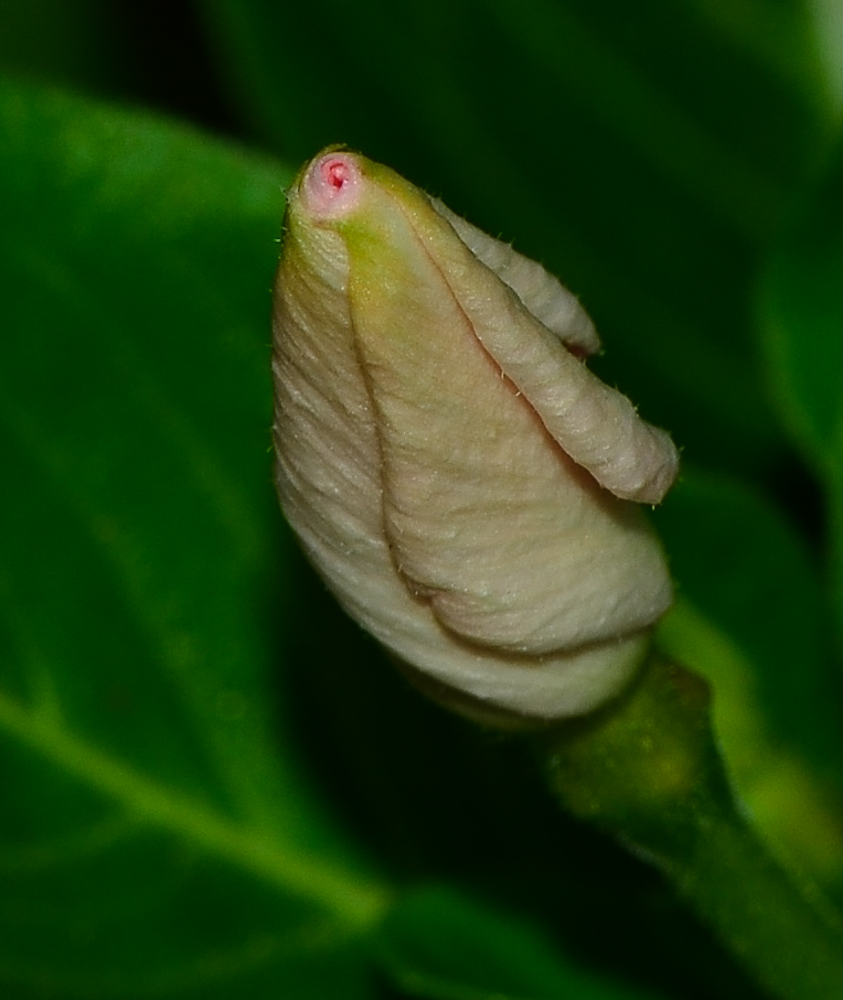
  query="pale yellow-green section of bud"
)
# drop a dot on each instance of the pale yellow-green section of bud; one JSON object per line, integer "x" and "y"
{"x": 452, "y": 468}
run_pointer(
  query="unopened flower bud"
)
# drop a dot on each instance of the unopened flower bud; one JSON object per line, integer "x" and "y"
{"x": 452, "y": 468}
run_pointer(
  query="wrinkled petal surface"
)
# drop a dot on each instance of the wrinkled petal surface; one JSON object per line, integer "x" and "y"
{"x": 453, "y": 469}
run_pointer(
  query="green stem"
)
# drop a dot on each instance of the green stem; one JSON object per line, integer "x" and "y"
{"x": 648, "y": 771}
{"x": 771, "y": 924}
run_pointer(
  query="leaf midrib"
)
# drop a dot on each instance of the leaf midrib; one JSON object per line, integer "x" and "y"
{"x": 352, "y": 900}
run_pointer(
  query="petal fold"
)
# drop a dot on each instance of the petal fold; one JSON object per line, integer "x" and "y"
{"x": 453, "y": 469}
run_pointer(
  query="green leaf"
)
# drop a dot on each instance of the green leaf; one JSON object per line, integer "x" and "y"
{"x": 644, "y": 152}
{"x": 60, "y": 41}
{"x": 441, "y": 945}
{"x": 801, "y": 309}
{"x": 751, "y": 617}
{"x": 802, "y": 313}
{"x": 157, "y": 833}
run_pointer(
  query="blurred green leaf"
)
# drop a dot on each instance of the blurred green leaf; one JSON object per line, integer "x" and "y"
{"x": 439, "y": 945}
{"x": 744, "y": 565}
{"x": 751, "y": 616}
{"x": 156, "y": 831}
{"x": 644, "y": 152}
{"x": 801, "y": 309}
{"x": 802, "y": 314}
{"x": 60, "y": 41}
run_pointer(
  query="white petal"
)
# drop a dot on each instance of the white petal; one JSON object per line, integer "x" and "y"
{"x": 542, "y": 293}
{"x": 595, "y": 425}
{"x": 426, "y": 453}
{"x": 488, "y": 520}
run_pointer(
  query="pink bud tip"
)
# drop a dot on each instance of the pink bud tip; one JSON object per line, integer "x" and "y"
{"x": 332, "y": 185}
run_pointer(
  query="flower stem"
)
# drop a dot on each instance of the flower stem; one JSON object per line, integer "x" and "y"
{"x": 647, "y": 770}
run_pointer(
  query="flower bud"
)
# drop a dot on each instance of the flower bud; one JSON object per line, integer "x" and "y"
{"x": 452, "y": 468}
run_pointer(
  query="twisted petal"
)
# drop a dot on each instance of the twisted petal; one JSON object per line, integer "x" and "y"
{"x": 453, "y": 469}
